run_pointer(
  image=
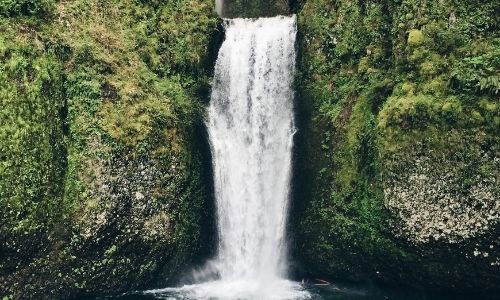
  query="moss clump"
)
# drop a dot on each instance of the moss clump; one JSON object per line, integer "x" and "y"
{"x": 409, "y": 112}
{"x": 432, "y": 66}
{"x": 415, "y": 38}
{"x": 408, "y": 88}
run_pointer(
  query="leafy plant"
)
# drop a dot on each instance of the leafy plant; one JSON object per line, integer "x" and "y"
{"x": 479, "y": 72}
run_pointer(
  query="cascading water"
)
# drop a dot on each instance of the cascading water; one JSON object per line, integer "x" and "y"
{"x": 251, "y": 127}
{"x": 218, "y": 6}
{"x": 250, "y": 124}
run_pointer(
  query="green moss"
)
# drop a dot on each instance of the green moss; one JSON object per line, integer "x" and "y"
{"x": 378, "y": 82}
{"x": 431, "y": 67}
{"x": 408, "y": 112}
{"x": 31, "y": 138}
{"x": 254, "y": 8}
{"x": 408, "y": 88}
{"x": 476, "y": 116}
{"x": 364, "y": 65}
{"x": 452, "y": 111}
{"x": 436, "y": 86}
{"x": 100, "y": 103}
{"x": 415, "y": 38}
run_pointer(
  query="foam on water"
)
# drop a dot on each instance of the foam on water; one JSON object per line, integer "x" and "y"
{"x": 233, "y": 290}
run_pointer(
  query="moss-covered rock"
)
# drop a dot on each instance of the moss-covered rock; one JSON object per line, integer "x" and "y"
{"x": 33, "y": 155}
{"x": 102, "y": 187}
{"x": 398, "y": 165}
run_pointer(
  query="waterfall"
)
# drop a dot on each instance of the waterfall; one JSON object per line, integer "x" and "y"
{"x": 219, "y": 4}
{"x": 251, "y": 127}
{"x": 250, "y": 124}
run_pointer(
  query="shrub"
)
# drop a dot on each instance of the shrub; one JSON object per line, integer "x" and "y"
{"x": 479, "y": 72}
{"x": 442, "y": 38}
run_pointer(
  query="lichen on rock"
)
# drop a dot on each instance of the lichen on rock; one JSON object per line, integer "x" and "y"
{"x": 447, "y": 198}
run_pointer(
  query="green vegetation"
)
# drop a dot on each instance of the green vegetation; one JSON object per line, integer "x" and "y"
{"x": 102, "y": 175}
{"x": 101, "y": 168}
{"x": 12, "y": 8}
{"x": 383, "y": 86}
{"x": 32, "y": 159}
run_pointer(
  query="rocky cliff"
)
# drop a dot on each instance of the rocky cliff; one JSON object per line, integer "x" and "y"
{"x": 103, "y": 169}
{"x": 398, "y": 146}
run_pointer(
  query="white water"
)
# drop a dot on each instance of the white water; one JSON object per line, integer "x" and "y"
{"x": 218, "y": 6}
{"x": 250, "y": 124}
{"x": 251, "y": 128}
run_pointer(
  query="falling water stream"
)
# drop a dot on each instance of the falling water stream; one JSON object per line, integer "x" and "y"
{"x": 251, "y": 127}
{"x": 251, "y": 130}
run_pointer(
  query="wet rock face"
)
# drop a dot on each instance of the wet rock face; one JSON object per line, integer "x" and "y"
{"x": 136, "y": 221}
{"x": 444, "y": 198}
{"x": 434, "y": 201}
{"x": 125, "y": 195}
{"x": 252, "y": 8}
